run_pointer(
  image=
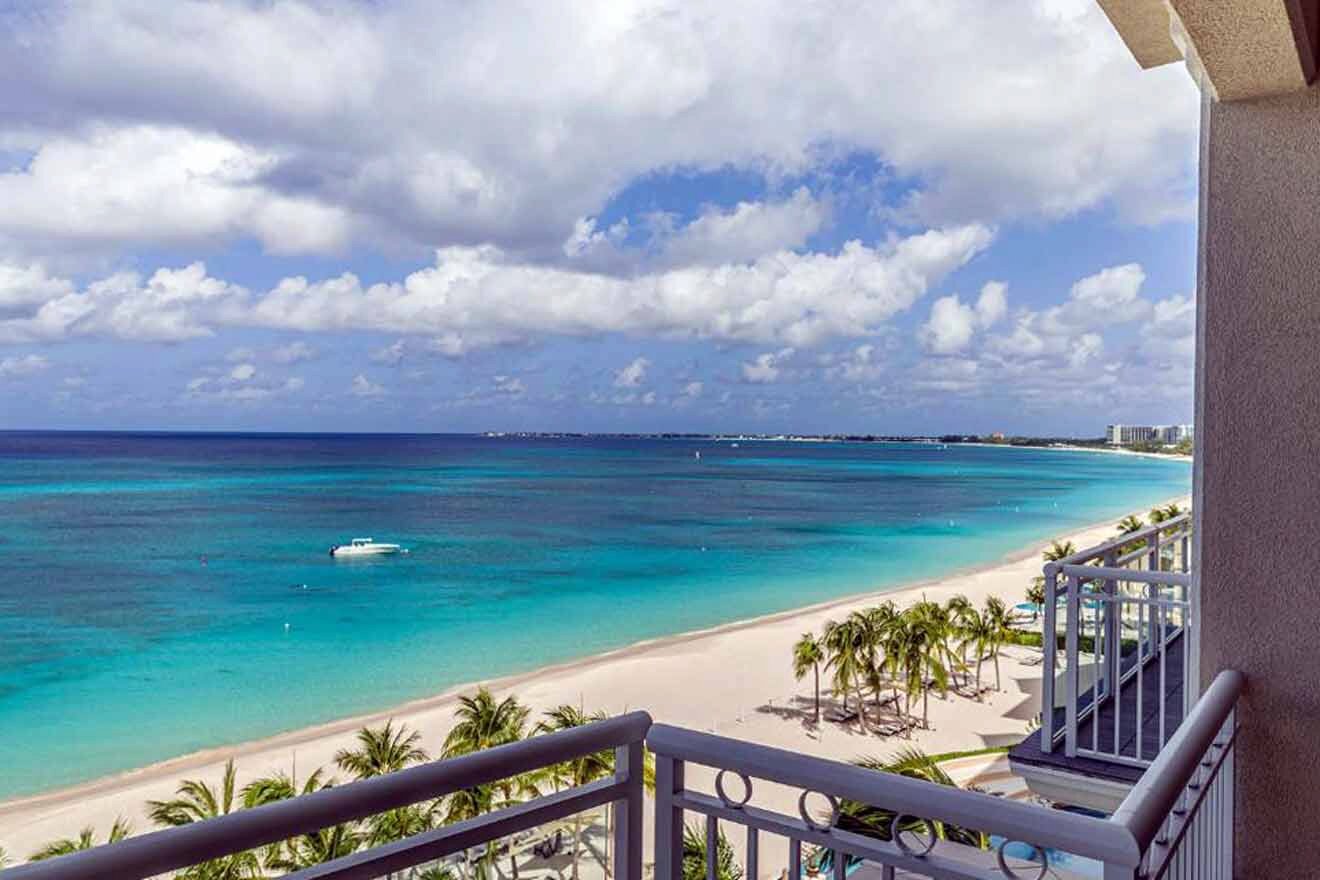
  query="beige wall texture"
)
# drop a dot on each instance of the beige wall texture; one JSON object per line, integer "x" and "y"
{"x": 1258, "y": 469}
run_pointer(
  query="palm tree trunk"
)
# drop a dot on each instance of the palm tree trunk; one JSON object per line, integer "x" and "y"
{"x": 816, "y": 666}
{"x": 925, "y": 699}
{"x": 996, "y": 656}
{"x": 861, "y": 709}
{"x": 979, "y": 658}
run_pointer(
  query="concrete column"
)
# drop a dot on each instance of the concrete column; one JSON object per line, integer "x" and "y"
{"x": 1258, "y": 461}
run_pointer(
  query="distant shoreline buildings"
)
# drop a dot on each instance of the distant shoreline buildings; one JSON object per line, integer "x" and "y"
{"x": 1135, "y": 435}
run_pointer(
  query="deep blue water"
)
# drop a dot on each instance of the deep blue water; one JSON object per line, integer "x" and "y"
{"x": 146, "y": 580}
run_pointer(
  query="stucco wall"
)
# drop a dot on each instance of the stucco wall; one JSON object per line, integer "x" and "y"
{"x": 1258, "y": 474}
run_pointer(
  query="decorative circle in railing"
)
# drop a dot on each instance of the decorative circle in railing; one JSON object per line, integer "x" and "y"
{"x": 806, "y": 814}
{"x": 1036, "y": 851}
{"x": 896, "y": 831}
{"x": 724, "y": 795}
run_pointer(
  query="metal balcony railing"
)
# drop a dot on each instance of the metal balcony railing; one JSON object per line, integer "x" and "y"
{"x": 1176, "y": 822}
{"x": 166, "y": 851}
{"x": 1118, "y": 688}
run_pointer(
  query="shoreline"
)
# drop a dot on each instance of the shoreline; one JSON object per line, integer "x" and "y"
{"x": 56, "y": 800}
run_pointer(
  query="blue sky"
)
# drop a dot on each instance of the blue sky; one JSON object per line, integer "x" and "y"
{"x": 619, "y": 216}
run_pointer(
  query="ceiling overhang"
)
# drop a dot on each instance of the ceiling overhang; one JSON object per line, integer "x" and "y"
{"x": 1236, "y": 50}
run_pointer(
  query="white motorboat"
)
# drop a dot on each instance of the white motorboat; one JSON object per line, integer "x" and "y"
{"x": 363, "y": 547}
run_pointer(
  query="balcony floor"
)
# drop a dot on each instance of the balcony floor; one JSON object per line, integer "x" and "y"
{"x": 1029, "y": 752}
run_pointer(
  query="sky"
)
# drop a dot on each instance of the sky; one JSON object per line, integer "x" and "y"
{"x": 916, "y": 216}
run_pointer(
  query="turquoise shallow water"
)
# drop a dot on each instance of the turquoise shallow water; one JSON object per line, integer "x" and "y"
{"x": 146, "y": 580}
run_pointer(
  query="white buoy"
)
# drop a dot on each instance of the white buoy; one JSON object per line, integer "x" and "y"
{"x": 286, "y": 627}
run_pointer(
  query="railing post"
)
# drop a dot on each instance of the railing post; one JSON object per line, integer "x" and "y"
{"x": 1049, "y": 646}
{"x": 1229, "y": 782}
{"x": 629, "y": 767}
{"x": 1156, "y": 637}
{"x": 1113, "y": 624}
{"x": 668, "y": 819}
{"x": 1072, "y": 622}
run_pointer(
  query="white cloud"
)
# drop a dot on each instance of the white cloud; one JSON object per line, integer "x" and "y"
{"x": 23, "y": 365}
{"x": 1086, "y": 349}
{"x": 952, "y": 325}
{"x": 691, "y": 390}
{"x": 158, "y": 186}
{"x": 744, "y": 232}
{"x": 857, "y": 365}
{"x": 630, "y": 398}
{"x": 478, "y": 296}
{"x": 293, "y": 353}
{"x": 29, "y": 286}
{"x": 173, "y": 305}
{"x": 632, "y": 375}
{"x": 361, "y": 386}
{"x": 1108, "y": 297}
{"x": 1168, "y": 339}
{"x": 766, "y": 367}
{"x": 992, "y": 304}
{"x": 240, "y": 385}
{"x": 510, "y": 385}
{"x": 398, "y": 134}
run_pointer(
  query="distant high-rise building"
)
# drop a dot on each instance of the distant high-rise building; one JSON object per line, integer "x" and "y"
{"x": 1127, "y": 435}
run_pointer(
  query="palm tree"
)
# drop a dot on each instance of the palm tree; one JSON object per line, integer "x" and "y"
{"x": 382, "y": 750}
{"x": 1000, "y": 623}
{"x": 4, "y": 857}
{"x": 809, "y": 653}
{"x": 879, "y": 621}
{"x": 578, "y": 771}
{"x": 943, "y": 629}
{"x": 977, "y": 634}
{"x": 1130, "y": 523}
{"x": 877, "y": 822}
{"x": 196, "y": 802}
{"x": 694, "y": 856}
{"x": 1058, "y": 550}
{"x": 484, "y": 723}
{"x": 86, "y": 839}
{"x": 304, "y": 851}
{"x": 925, "y": 651}
{"x": 1036, "y": 595}
{"x": 1167, "y": 512}
{"x": 851, "y": 652}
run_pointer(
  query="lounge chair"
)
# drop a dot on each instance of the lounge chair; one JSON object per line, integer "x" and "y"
{"x": 841, "y": 716}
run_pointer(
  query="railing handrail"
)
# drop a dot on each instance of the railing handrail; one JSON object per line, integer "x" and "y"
{"x": 1149, "y": 802}
{"x": 1082, "y": 835}
{"x": 184, "y": 846}
{"x": 1082, "y": 556}
{"x": 1137, "y": 575}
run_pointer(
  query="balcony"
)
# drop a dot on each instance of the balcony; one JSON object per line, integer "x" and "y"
{"x": 1176, "y": 821}
{"x": 1114, "y": 684}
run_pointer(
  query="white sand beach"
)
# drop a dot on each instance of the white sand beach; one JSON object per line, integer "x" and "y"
{"x": 735, "y": 680}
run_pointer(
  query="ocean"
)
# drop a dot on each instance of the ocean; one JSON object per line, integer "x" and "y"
{"x": 163, "y": 593}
